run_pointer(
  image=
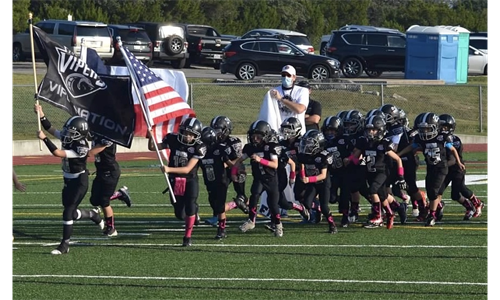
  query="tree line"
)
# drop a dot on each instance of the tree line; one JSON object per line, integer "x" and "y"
{"x": 235, "y": 17}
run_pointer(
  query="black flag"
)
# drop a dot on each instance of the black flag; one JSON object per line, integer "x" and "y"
{"x": 70, "y": 84}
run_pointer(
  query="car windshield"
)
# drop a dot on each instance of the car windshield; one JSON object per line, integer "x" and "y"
{"x": 133, "y": 35}
{"x": 299, "y": 40}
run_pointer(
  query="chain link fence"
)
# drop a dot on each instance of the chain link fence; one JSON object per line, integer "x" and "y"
{"x": 241, "y": 103}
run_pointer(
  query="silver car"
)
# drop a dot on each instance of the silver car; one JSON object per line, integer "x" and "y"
{"x": 478, "y": 62}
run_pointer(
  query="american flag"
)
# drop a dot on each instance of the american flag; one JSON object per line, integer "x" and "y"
{"x": 164, "y": 107}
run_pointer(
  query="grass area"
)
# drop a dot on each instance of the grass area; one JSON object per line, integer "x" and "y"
{"x": 145, "y": 260}
{"x": 241, "y": 102}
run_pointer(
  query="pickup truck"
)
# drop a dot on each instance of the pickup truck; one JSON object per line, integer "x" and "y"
{"x": 205, "y": 45}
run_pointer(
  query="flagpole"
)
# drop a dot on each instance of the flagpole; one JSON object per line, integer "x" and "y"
{"x": 140, "y": 97}
{"x": 30, "y": 21}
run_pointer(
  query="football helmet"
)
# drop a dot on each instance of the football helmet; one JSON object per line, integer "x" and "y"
{"x": 259, "y": 127}
{"x": 375, "y": 128}
{"x": 190, "y": 131}
{"x": 208, "y": 136}
{"x": 290, "y": 128}
{"x": 391, "y": 112}
{"x": 375, "y": 112}
{"x": 274, "y": 137}
{"x": 335, "y": 124}
{"x": 428, "y": 125}
{"x": 341, "y": 114}
{"x": 446, "y": 120}
{"x": 312, "y": 142}
{"x": 76, "y": 128}
{"x": 222, "y": 126}
{"x": 353, "y": 122}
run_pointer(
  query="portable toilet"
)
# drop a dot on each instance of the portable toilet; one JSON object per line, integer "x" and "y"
{"x": 463, "y": 52}
{"x": 431, "y": 53}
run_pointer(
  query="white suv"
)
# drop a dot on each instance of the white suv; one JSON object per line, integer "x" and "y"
{"x": 298, "y": 38}
{"x": 70, "y": 34}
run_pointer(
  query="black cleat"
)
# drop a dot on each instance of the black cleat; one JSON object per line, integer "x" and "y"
{"x": 125, "y": 196}
{"x": 186, "y": 242}
{"x": 305, "y": 213}
{"x": 345, "y": 221}
{"x": 221, "y": 234}
{"x": 270, "y": 226}
{"x": 96, "y": 218}
{"x": 63, "y": 248}
{"x": 110, "y": 231}
{"x": 332, "y": 229}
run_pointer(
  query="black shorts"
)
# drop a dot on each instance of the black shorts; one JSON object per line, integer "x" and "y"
{"x": 103, "y": 187}
{"x": 434, "y": 180}
{"x": 75, "y": 190}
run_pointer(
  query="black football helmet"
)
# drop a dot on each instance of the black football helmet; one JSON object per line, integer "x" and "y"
{"x": 335, "y": 124}
{"x": 208, "y": 136}
{"x": 341, "y": 114}
{"x": 262, "y": 128}
{"x": 312, "y": 142}
{"x": 290, "y": 128}
{"x": 222, "y": 126}
{"x": 375, "y": 128}
{"x": 392, "y": 114}
{"x": 274, "y": 137}
{"x": 447, "y": 123}
{"x": 353, "y": 122}
{"x": 190, "y": 126}
{"x": 76, "y": 128}
{"x": 428, "y": 125}
{"x": 375, "y": 112}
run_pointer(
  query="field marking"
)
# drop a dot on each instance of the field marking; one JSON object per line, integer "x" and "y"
{"x": 257, "y": 245}
{"x": 251, "y": 279}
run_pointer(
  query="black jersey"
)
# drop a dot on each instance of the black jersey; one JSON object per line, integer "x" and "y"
{"x": 435, "y": 150}
{"x": 340, "y": 147}
{"x": 233, "y": 147}
{"x": 106, "y": 159}
{"x": 314, "y": 164}
{"x": 180, "y": 154}
{"x": 212, "y": 165}
{"x": 75, "y": 161}
{"x": 267, "y": 151}
{"x": 457, "y": 144}
{"x": 407, "y": 138}
{"x": 375, "y": 153}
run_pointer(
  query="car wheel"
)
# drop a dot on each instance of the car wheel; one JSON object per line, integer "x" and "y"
{"x": 373, "y": 74}
{"x": 485, "y": 70}
{"x": 319, "y": 72}
{"x": 216, "y": 66}
{"x": 17, "y": 54}
{"x": 352, "y": 67}
{"x": 178, "y": 64}
{"x": 246, "y": 71}
{"x": 173, "y": 45}
{"x": 322, "y": 49}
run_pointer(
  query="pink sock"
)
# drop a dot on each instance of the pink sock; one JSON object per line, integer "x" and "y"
{"x": 231, "y": 205}
{"x": 115, "y": 195}
{"x": 297, "y": 206}
{"x": 189, "y": 221}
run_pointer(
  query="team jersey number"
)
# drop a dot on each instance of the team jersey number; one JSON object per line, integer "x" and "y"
{"x": 370, "y": 157}
{"x": 433, "y": 155}
{"x": 337, "y": 161}
{"x": 180, "y": 161}
{"x": 209, "y": 169}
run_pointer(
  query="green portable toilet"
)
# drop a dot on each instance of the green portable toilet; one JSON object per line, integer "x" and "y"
{"x": 463, "y": 52}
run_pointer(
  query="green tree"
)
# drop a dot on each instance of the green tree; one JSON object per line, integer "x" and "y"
{"x": 20, "y": 15}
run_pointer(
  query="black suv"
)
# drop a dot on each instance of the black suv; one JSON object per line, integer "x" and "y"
{"x": 367, "y": 48}
{"x": 247, "y": 58}
{"x": 135, "y": 39}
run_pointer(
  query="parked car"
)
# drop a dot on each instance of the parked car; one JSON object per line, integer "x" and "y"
{"x": 67, "y": 33}
{"x": 169, "y": 42}
{"x": 479, "y": 43}
{"x": 247, "y": 58}
{"x": 205, "y": 45}
{"x": 298, "y": 38}
{"x": 478, "y": 62}
{"x": 367, "y": 48}
{"x": 135, "y": 39}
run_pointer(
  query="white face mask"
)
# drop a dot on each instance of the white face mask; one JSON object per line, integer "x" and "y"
{"x": 286, "y": 81}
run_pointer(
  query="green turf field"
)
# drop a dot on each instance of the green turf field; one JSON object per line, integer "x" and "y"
{"x": 146, "y": 261}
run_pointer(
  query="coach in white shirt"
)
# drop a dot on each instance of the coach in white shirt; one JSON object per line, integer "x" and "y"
{"x": 292, "y": 99}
